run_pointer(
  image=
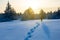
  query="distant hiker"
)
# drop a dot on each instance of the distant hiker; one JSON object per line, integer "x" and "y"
{"x": 41, "y": 19}
{"x": 42, "y": 14}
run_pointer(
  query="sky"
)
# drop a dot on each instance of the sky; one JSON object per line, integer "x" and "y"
{"x": 36, "y": 5}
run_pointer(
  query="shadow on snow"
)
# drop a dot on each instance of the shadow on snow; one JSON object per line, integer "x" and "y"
{"x": 46, "y": 30}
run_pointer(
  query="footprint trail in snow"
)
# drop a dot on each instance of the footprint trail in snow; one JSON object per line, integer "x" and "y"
{"x": 29, "y": 34}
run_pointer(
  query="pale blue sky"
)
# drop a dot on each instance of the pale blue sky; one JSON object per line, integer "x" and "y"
{"x": 22, "y": 5}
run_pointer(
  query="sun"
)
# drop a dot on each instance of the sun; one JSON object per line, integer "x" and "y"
{"x": 33, "y": 4}
{"x": 22, "y": 5}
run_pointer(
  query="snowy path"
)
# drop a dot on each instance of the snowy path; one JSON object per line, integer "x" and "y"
{"x": 30, "y": 30}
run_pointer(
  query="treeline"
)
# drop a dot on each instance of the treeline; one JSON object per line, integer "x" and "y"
{"x": 10, "y": 14}
{"x": 29, "y": 14}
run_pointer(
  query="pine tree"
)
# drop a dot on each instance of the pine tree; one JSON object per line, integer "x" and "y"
{"x": 10, "y": 13}
{"x": 58, "y": 13}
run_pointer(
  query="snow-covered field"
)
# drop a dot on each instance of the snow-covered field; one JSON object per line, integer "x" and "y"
{"x": 30, "y": 30}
